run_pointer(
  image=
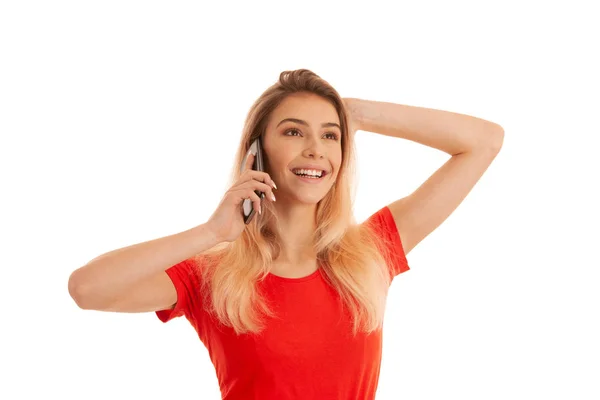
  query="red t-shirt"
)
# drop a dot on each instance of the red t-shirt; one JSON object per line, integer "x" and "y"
{"x": 308, "y": 353}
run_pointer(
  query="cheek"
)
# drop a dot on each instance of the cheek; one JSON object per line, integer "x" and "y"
{"x": 276, "y": 165}
{"x": 338, "y": 165}
{"x": 338, "y": 160}
{"x": 280, "y": 156}
{"x": 276, "y": 160}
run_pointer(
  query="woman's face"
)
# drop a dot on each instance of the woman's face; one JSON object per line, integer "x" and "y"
{"x": 289, "y": 145}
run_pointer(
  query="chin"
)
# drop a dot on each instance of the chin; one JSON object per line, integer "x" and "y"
{"x": 312, "y": 198}
{"x": 309, "y": 194}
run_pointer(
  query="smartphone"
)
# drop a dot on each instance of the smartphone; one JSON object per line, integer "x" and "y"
{"x": 247, "y": 206}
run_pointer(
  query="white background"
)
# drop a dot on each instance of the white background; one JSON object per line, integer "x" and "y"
{"x": 119, "y": 122}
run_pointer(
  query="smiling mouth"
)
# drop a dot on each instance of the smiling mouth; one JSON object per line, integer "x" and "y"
{"x": 310, "y": 174}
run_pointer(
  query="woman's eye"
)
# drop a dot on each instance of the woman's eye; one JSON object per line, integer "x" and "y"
{"x": 292, "y": 130}
{"x": 332, "y": 135}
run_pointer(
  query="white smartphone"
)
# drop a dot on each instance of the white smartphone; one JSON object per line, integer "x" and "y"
{"x": 247, "y": 206}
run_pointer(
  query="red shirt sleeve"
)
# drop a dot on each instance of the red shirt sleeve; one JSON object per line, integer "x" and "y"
{"x": 185, "y": 278}
{"x": 391, "y": 243}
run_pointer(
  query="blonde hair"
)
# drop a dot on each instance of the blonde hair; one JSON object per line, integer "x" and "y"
{"x": 348, "y": 253}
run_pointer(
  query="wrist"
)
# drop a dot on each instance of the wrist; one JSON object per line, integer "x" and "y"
{"x": 353, "y": 112}
{"x": 206, "y": 236}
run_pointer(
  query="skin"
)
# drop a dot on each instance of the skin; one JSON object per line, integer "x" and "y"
{"x": 296, "y": 200}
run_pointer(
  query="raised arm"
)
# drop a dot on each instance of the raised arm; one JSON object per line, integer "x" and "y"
{"x": 472, "y": 142}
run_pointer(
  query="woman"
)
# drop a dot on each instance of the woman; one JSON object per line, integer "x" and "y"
{"x": 291, "y": 305}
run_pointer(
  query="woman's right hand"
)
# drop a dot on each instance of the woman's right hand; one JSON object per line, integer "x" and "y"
{"x": 227, "y": 222}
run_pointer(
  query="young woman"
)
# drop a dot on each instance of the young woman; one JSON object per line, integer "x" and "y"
{"x": 291, "y": 305}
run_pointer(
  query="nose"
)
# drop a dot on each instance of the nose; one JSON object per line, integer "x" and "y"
{"x": 314, "y": 149}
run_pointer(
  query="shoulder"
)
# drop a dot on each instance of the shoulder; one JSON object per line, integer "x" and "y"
{"x": 188, "y": 270}
{"x": 383, "y": 227}
{"x": 381, "y": 221}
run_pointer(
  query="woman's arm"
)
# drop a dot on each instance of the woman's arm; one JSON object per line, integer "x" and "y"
{"x": 133, "y": 278}
{"x": 447, "y": 131}
{"x": 472, "y": 142}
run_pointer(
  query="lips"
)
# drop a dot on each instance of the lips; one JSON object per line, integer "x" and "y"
{"x": 323, "y": 173}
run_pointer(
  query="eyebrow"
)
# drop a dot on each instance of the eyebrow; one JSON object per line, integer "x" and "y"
{"x": 302, "y": 122}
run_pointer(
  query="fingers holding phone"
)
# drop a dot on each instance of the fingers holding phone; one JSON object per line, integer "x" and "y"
{"x": 231, "y": 216}
{"x": 255, "y": 151}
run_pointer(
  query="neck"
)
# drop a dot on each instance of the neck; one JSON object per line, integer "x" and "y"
{"x": 297, "y": 227}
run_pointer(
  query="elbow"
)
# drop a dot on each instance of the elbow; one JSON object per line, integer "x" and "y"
{"x": 497, "y": 138}
{"x": 500, "y": 139}
{"x": 80, "y": 293}
{"x": 491, "y": 141}
{"x": 76, "y": 291}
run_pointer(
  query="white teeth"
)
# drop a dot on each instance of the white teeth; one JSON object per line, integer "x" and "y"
{"x": 312, "y": 172}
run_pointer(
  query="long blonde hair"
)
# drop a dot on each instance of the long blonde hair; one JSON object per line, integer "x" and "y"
{"x": 348, "y": 253}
